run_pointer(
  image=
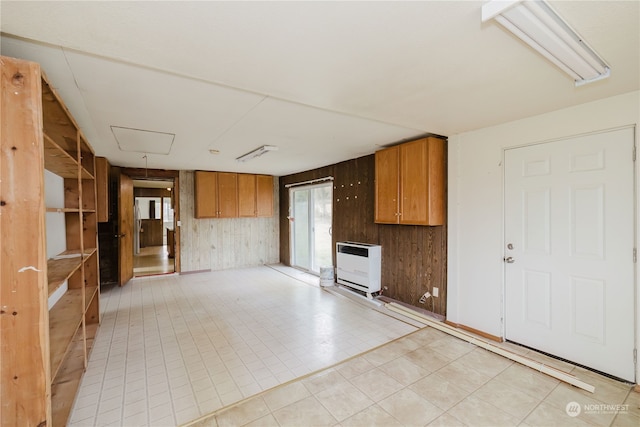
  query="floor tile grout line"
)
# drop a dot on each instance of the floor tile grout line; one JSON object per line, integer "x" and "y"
{"x": 302, "y": 378}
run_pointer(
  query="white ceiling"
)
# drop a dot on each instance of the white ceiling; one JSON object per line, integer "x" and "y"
{"x": 323, "y": 81}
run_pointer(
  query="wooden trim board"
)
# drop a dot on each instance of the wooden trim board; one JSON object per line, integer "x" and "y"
{"x": 541, "y": 367}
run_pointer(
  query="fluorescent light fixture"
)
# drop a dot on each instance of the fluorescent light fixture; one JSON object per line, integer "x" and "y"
{"x": 256, "y": 153}
{"x": 538, "y": 25}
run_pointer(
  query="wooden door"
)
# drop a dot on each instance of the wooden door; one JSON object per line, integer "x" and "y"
{"x": 246, "y": 195}
{"x": 264, "y": 195}
{"x": 227, "y": 195}
{"x": 387, "y": 172}
{"x": 125, "y": 229}
{"x": 569, "y": 269}
{"x": 205, "y": 184}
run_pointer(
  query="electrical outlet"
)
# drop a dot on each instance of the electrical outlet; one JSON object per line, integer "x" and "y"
{"x": 424, "y": 297}
{"x": 435, "y": 292}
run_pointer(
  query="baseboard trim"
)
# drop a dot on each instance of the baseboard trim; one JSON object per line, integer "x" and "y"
{"x": 182, "y": 273}
{"x": 475, "y": 331}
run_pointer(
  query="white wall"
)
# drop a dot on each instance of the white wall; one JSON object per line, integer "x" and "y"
{"x": 55, "y": 222}
{"x": 475, "y": 245}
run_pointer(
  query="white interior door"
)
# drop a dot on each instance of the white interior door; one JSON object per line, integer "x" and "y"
{"x": 569, "y": 242}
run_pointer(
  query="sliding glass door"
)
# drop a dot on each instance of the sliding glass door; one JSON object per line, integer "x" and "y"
{"x": 311, "y": 246}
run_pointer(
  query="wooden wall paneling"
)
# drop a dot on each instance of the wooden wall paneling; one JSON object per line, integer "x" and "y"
{"x": 103, "y": 170}
{"x": 216, "y": 243}
{"x": 24, "y": 365}
{"x": 247, "y": 196}
{"x": 152, "y": 234}
{"x": 151, "y": 192}
{"x": 413, "y": 257}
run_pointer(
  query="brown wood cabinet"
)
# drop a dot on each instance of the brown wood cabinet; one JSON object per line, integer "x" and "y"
{"x": 232, "y": 195}
{"x": 216, "y": 194}
{"x": 44, "y": 351}
{"x": 410, "y": 183}
{"x": 206, "y": 194}
{"x": 246, "y": 195}
{"x": 264, "y": 195}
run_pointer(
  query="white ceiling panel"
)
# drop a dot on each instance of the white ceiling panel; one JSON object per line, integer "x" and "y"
{"x": 323, "y": 80}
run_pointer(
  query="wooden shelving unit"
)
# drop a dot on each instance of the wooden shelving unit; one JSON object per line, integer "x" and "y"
{"x": 67, "y": 329}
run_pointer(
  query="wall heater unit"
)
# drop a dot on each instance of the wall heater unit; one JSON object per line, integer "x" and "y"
{"x": 358, "y": 266}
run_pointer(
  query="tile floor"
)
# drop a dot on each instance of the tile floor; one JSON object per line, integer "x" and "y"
{"x": 260, "y": 347}
{"x": 431, "y": 378}
{"x": 173, "y": 348}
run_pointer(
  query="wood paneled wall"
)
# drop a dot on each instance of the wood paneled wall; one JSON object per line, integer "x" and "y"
{"x": 222, "y": 243}
{"x": 152, "y": 232}
{"x": 414, "y": 258}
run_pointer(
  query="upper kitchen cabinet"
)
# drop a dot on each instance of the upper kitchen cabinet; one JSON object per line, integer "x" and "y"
{"x": 216, "y": 194}
{"x": 232, "y": 195}
{"x": 410, "y": 183}
{"x": 264, "y": 195}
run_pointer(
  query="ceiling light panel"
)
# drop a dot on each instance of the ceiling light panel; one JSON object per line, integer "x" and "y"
{"x": 538, "y": 25}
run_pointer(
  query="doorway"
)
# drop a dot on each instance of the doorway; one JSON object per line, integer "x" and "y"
{"x": 569, "y": 249}
{"x": 311, "y": 220}
{"x": 154, "y": 225}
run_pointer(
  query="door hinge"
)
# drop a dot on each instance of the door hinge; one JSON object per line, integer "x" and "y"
{"x": 635, "y": 255}
{"x": 634, "y": 153}
{"x": 635, "y": 356}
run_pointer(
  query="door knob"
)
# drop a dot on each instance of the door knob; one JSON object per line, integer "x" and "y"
{"x": 509, "y": 260}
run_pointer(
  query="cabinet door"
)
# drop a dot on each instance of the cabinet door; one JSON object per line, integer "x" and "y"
{"x": 246, "y": 195}
{"x": 387, "y": 172}
{"x": 264, "y": 195}
{"x": 437, "y": 176}
{"x": 413, "y": 182}
{"x": 227, "y": 195}
{"x": 205, "y": 203}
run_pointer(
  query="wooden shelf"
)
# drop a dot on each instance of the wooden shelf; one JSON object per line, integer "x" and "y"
{"x": 64, "y": 320}
{"x": 63, "y": 210}
{"x": 58, "y": 124}
{"x": 89, "y": 293}
{"x": 57, "y": 160}
{"x": 65, "y": 385}
{"x": 52, "y": 345}
{"x": 60, "y": 269}
{"x": 85, "y": 174}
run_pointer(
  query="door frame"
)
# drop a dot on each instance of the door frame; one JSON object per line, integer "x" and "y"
{"x": 636, "y": 230}
{"x": 292, "y": 245}
{"x": 150, "y": 174}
